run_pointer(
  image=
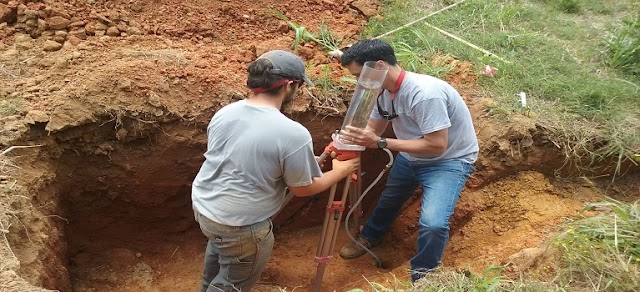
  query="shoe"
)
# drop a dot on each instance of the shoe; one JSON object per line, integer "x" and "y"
{"x": 352, "y": 250}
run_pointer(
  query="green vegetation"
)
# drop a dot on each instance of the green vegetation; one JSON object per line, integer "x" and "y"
{"x": 575, "y": 60}
{"x": 325, "y": 36}
{"x": 327, "y": 95}
{"x": 568, "y": 6}
{"x": 492, "y": 279}
{"x": 603, "y": 252}
{"x": 624, "y": 46}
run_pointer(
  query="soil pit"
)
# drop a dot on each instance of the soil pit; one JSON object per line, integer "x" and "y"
{"x": 130, "y": 223}
{"x": 131, "y": 227}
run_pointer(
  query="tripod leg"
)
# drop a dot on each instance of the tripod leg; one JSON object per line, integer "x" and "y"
{"x": 354, "y": 195}
{"x": 330, "y": 232}
{"x": 338, "y": 217}
{"x": 325, "y": 224}
{"x": 353, "y": 198}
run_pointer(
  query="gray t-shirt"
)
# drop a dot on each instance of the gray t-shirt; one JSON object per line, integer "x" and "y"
{"x": 426, "y": 104}
{"x": 253, "y": 154}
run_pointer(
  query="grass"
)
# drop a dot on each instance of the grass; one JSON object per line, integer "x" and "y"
{"x": 327, "y": 95}
{"x": 568, "y": 6}
{"x": 492, "y": 279}
{"x": 602, "y": 253}
{"x": 324, "y": 37}
{"x": 623, "y": 46}
{"x": 560, "y": 55}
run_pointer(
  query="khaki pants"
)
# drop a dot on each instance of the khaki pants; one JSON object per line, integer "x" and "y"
{"x": 235, "y": 255}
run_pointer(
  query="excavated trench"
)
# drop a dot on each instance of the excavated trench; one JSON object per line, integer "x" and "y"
{"x": 124, "y": 187}
{"x": 121, "y": 189}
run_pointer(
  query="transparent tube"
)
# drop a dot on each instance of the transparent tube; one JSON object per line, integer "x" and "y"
{"x": 364, "y": 98}
{"x": 367, "y": 90}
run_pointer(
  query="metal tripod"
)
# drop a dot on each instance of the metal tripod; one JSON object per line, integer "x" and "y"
{"x": 335, "y": 209}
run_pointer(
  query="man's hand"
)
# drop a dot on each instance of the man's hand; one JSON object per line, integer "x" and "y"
{"x": 346, "y": 167}
{"x": 362, "y": 137}
{"x": 341, "y": 169}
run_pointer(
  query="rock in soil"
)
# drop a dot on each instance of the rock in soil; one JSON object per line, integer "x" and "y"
{"x": 58, "y": 22}
{"x": 7, "y": 14}
{"x": 113, "y": 31}
{"x": 51, "y": 46}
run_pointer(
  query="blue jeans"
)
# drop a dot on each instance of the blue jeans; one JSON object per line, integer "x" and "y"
{"x": 235, "y": 255}
{"x": 442, "y": 183}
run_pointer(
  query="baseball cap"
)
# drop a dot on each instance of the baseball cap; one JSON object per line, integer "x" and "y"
{"x": 286, "y": 64}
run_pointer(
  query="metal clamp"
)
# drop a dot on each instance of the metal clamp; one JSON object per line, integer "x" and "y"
{"x": 324, "y": 259}
{"x": 335, "y": 206}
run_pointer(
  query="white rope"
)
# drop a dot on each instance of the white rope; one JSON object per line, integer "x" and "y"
{"x": 17, "y": 147}
{"x": 420, "y": 19}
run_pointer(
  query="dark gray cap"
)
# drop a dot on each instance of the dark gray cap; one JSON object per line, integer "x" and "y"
{"x": 286, "y": 64}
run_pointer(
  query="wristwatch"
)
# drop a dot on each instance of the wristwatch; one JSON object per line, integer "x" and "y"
{"x": 382, "y": 143}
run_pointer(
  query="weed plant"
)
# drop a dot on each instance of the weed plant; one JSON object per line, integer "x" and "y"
{"x": 602, "y": 253}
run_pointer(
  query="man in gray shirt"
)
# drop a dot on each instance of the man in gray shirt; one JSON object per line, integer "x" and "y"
{"x": 254, "y": 153}
{"x": 437, "y": 145}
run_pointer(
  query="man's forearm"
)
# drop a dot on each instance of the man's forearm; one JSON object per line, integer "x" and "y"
{"x": 319, "y": 184}
{"x": 418, "y": 146}
{"x": 432, "y": 144}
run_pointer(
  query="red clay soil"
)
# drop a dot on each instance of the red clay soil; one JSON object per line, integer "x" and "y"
{"x": 118, "y": 95}
{"x": 170, "y": 58}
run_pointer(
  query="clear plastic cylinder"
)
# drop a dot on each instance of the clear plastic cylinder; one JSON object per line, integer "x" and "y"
{"x": 364, "y": 98}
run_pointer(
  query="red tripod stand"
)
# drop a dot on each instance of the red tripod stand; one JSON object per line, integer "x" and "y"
{"x": 335, "y": 209}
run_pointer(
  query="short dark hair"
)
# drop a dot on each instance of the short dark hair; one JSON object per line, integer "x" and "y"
{"x": 369, "y": 50}
{"x": 259, "y": 76}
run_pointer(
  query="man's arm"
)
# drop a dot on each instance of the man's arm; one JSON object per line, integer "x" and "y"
{"x": 431, "y": 144}
{"x": 341, "y": 169}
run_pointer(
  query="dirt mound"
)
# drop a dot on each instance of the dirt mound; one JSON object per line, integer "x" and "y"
{"x": 64, "y": 65}
{"x": 520, "y": 212}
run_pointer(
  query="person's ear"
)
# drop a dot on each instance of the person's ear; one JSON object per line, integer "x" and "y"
{"x": 290, "y": 84}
